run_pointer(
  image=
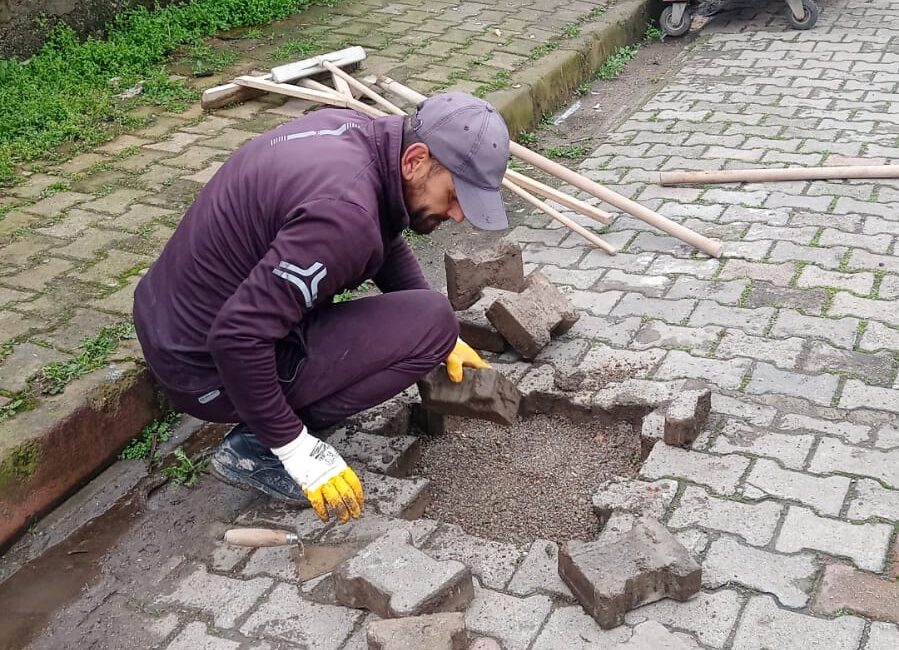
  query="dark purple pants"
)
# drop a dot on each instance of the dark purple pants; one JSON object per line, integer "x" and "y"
{"x": 350, "y": 356}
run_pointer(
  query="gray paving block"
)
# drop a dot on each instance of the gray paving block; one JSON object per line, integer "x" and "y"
{"x": 529, "y": 319}
{"x": 500, "y": 266}
{"x": 484, "y": 393}
{"x": 624, "y": 569}
{"x": 632, "y": 497}
{"x": 685, "y": 417}
{"x": 393, "y": 456}
{"x": 445, "y": 631}
{"x": 405, "y": 498}
{"x": 393, "y": 579}
{"x": 476, "y": 330}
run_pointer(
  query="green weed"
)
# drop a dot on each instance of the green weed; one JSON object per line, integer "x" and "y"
{"x": 500, "y": 80}
{"x": 204, "y": 60}
{"x": 145, "y": 443}
{"x": 527, "y": 138}
{"x": 94, "y": 352}
{"x": 343, "y": 296}
{"x": 583, "y": 89}
{"x": 186, "y": 472}
{"x": 570, "y": 151}
{"x": 571, "y": 30}
{"x": 652, "y": 32}
{"x": 297, "y": 48}
{"x": 613, "y": 66}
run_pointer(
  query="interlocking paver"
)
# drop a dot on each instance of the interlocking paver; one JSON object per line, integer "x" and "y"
{"x": 721, "y": 473}
{"x": 848, "y": 431}
{"x": 710, "y": 616}
{"x": 726, "y": 374}
{"x": 818, "y": 388}
{"x": 826, "y": 495}
{"x": 514, "y": 621}
{"x": 755, "y": 523}
{"x": 764, "y": 625}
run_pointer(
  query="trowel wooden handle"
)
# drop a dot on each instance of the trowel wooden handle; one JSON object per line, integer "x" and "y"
{"x": 260, "y": 537}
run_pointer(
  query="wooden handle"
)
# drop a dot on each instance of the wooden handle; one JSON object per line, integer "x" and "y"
{"x": 571, "y": 202}
{"x": 780, "y": 174}
{"x": 365, "y": 90}
{"x": 558, "y": 216}
{"x": 260, "y": 537}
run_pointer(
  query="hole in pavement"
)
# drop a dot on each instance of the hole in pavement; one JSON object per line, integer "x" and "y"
{"x": 535, "y": 479}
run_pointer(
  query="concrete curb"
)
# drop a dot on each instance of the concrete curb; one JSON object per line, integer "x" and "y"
{"x": 53, "y": 450}
{"x": 555, "y": 76}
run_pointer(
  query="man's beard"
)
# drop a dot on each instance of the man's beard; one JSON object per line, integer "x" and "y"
{"x": 424, "y": 223}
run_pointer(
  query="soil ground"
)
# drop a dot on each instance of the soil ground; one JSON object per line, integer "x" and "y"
{"x": 533, "y": 480}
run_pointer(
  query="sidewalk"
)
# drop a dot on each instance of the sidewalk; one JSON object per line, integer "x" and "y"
{"x": 74, "y": 244}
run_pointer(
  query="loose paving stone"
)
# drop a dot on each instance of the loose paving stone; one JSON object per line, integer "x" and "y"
{"x": 685, "y": 417}
{"x": 623, "y": 570}
{"x": 500, "y": 266}
{"x": 826, "y": 495}
{"x": 393, "y": 579}
{"x": 755, "y": 523}
{"x": 721, "y": 473}
{"x": 195, "y": 637}
{"x": 483, "y": 393}
{"x": 529, "y": 319}
{"x": 539, "y": 572}
{"x": 818, "y": 388}
{"x": 882, "y": 636}
{"x": 788, "y": 577}
{"x": 429, "y": 632}
{"x": 285, "y": 616}
{"x": 846, "y": 588}
{"x": 870, "y": 499}
{"x": 511, "y": 620}
{"x": 834, "y": 456}
{"x": 865, "y": 544}
{"x": 790, "y": 449}
{"x": 394, "y": 456}
{"x": 764, "y": 625}
{"x": 493, "y": 562}
{"x": 225, "y": 599}
{"x": 476, "y": 330}
{"x": 709, "y": 616}
{"x": 632, "y": 497}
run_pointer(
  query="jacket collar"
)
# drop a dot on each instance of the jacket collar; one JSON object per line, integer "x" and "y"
{"x": 388, "y": 135}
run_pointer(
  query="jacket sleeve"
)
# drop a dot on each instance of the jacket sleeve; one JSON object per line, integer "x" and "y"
{"x": 401, "y": 270}
{"x": 311, "y": 259}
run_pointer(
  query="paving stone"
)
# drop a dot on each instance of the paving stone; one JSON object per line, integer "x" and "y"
{"x": 765, "y": 294}
{"x": 429, "y": 632}
{"x": 788, "y": 577}
{"x": 724, "y": 374}
{"x": 715, "y": 290}
{"x": 632, "y": 497}
{"x": 818, "y": 388}
{"x": 13, "y": 325}
{"x": 513, "y": 621}
{"x": 601, "y": 360}
{"x": 120, "y": 301}
{"x": 590, "y": 302}
{"x": 709, "y": 616}
{"x": 826, "y": 495}
{"x": 539, "y": 571}
{"x": 499, "y": 267}
{"x": 564, "y": 354}
{"x": 285, "y": 616}
{"x": 572, "y": 629}
{"x": 835, "y": 456}
{"x": 115, "y": 202}
{"x": 753, "y": 413}
{"x": 865, "y": 544}
{"x": 777, "y": 274}
{"x": 882, "y": 636}
{"x": 393, "y": 579}
{"x": 59, "y": 202}
{"x": 615, "y": 279}
{"x": 658, "y": 334}
{"x": 624, "y": 569}
{"x": 373, "y": 526}
{"x": 25, "y": 361}
{"x": 653, "y": 636}
{"x": 812, "y": 276}
{"x": 74, "y": 221}
{"x": 887, "y": 437}
{"x": 846, "y": 588}
{"x": 87, "y": 245}
{"x": 753, "y": 321}
{"x": 871, "y": 500}
{"x": 640, "y": 393}
{"x": 803, "y": 235}
{"x": 225, "y": 599}
{"x": 721, "y": 473}
{"x": 394, "y": 497}
{"x": 529, "y": 319}
{"x": 865, "y": 261}
{"x": 790, "y": 449}
{"x": 483, "y": 393}
{"x": 841, "y": 332}
{"x": 476, "y": 330}
{"x": 857, "y": 394}
{"x": 784, "y": 353}
{"x": 755, "y": 523}
{"x": 845, "y": 304}
{"x": 764, "y": 625}
{"x": 279, "y": 562}
{"x": 394, "y": 455}
{"x": 635, "y": 304}
{"x": 876, "y": 369}
{"x": 41, "y": 276}
{"x": 493, "y": 562}
{"x": 195, "y": 637}
{"x": 614, "y": 331}
{"x": 226, "y": 556}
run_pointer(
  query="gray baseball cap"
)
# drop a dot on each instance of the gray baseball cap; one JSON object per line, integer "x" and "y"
{"x": 470, "y": 138}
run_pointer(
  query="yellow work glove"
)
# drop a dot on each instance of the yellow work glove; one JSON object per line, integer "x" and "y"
{"x": 462, "y": 355}
{"x": 327, "y": 481}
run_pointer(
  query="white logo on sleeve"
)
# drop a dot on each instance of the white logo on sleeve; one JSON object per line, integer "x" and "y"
{"x": 306, "y": 280}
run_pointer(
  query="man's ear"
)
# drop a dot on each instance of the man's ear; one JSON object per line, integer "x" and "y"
{"x": 414, "y": 160}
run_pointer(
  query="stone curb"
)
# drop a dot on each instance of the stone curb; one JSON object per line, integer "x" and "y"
{"x": 554, "y": 77}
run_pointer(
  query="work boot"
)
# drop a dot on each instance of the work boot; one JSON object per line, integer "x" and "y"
{"x": 241, "y": 460}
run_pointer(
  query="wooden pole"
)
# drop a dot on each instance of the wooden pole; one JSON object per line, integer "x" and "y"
{"x": 571, "y": 202}
{"x": 779, "y": 174}
{"x": 623, "y": 203}
{"x": 365, "y": 90}
{"x": 558, "y": 216}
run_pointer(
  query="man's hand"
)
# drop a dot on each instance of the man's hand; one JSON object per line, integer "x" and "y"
{"x": 328, "y": 482}
{"x": 462, "y": 355}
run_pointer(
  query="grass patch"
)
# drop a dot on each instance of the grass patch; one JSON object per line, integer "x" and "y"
{"x": 144, "y": 444}
{"x": 94, "y": 353}
{"x": 613, "y": 66}
{"x": 653, "y": 33}
{"x": 186, "y": 471}
{"x": 500, "y": 80}
{"x": 527, "y": 138}
{"x": 568, "y": 151}
{"x": 205, "y": 60}
{"x": 69, "y": 92}
{"x": 297, "y": 48}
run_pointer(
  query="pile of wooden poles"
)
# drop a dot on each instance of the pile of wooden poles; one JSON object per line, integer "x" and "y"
{"x": 342, "y": 94}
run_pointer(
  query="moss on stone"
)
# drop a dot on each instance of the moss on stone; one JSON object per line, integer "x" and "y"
{"x": 19, "y": 465}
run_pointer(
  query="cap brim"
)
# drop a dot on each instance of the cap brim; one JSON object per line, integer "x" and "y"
{"x": 483, "y": 208}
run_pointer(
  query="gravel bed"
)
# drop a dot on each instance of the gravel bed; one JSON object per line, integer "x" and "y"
{"x": 532, "y": 480}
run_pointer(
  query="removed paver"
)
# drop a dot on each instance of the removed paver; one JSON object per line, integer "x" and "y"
{"x": 686, "y": 416}
{"x": 484, "y": 393}
{"x": 445, "y": 631}
{"x": 500, "y": 266}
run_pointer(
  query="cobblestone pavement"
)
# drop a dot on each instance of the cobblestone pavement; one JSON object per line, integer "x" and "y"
{"x": 788, "y": 498}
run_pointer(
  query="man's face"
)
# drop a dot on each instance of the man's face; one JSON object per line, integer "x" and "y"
{"x": 428, "y": 190}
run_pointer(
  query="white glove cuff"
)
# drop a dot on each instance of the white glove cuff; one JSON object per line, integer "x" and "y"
{"x": 310, "y": 461}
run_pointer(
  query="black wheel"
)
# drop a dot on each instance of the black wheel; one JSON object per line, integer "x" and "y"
{"x": 809, "y": 18}
{"x": 668, "y": 26}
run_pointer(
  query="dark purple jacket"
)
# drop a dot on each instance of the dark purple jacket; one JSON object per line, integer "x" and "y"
{"x": 292, "y": 218}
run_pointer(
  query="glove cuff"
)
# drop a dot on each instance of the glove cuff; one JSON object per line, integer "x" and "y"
{"x": 309, "y": 461}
